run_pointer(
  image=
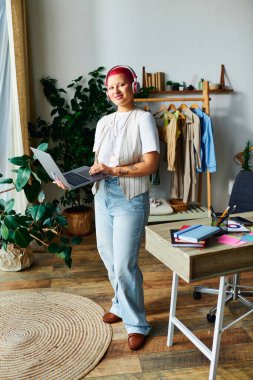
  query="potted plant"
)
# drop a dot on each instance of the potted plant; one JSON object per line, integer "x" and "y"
{"x": 244, "y": 180}
{"x": 41, "y": 222}
{"x": 169, "y": 84}
{"x": 70, "y": 135}
{"x": 243, "y": 158}
{"x": 246, "y": 156}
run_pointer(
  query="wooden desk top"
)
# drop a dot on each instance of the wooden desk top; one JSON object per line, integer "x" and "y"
{"x": 193, "y": 264}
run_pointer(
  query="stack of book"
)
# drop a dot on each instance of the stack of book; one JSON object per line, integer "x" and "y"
{"x": 192, "y": 236}
{"x": 156, "y": 80}
{"x": 175, "y": 242}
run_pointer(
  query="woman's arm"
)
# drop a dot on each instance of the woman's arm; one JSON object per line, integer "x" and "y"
{"x": 148, "y": 166}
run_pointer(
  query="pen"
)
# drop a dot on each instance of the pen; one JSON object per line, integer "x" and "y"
{"x": 233, "y": 209}
{"x": 213, "y": 213}
{"x": 227, "y": 215}
{"x": 222, "y": 217}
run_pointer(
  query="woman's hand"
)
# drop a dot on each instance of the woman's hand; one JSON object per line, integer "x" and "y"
{"x": 60, "y": 184}
{"x": 99, "y": 168}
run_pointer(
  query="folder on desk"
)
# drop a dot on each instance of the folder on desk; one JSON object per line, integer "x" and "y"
{"x": 196, "y": 232}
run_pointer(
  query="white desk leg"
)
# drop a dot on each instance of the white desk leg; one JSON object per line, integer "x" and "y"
{"x": 217, "y": 328}
{"x": 173, "y": 305}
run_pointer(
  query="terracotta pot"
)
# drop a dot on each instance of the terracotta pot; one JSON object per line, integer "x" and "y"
{"x": 80, "y": 223}
{"x": 15, "y": 259}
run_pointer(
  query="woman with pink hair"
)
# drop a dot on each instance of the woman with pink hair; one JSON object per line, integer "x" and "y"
{"x": 127, "y": 149}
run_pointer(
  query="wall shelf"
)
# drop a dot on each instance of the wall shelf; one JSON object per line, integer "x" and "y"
{"x": 225, "y": 91}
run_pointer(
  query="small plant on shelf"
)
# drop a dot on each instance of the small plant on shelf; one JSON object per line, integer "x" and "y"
{"x": 144, "y": 92}
{"x": 174, "y": 86}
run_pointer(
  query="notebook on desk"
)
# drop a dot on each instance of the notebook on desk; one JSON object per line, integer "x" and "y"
{"x": 175, "y": 242}
{"x": 196, "y": 232}
{"x": 72, "y": 179}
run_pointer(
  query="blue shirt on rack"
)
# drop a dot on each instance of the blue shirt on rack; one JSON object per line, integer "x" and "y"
{"x": 207, "y": 154}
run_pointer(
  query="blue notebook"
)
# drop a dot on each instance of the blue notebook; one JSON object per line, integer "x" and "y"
{"x": 196, "y": 233}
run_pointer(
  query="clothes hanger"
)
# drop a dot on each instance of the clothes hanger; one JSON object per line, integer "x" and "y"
{"x": 172, "y": 108}
{"x": 161, "y": 109}
{"x": 146, "y": 107}
{"x": 182, "y": 107}
{"x": 194, "y": 106}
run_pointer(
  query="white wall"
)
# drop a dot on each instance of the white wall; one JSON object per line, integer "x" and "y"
{"x": 183, "y": 38}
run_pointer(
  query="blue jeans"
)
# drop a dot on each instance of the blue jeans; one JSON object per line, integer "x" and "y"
{"x": 120, "y": 225}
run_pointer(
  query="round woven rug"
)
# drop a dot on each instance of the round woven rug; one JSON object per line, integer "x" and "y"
{"x": 50, "y": 336}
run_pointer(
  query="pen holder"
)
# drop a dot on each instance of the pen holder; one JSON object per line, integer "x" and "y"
{"x": 224, "y": 224}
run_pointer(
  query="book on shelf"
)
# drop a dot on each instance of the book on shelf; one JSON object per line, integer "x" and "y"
{"x": 160, "y": 81}
{"x": 196, "y": 232}
{"x": 181, "y": 243}
{"x": 156, "y": 80}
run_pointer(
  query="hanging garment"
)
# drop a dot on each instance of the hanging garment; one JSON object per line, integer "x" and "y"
{"x": 162, "y": 124}
{"x": 188, "y": 158}
{"x": 172, "y": 134}
{"x": 208, "y": 159}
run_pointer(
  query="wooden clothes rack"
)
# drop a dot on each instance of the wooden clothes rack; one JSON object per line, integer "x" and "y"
{"x": 205, "y": 100}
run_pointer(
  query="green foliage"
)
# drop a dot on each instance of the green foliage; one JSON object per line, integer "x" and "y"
{"x": 70, "y": 133}
{"x": 247, "y": 155}
{"x": 42, "y": 220}
{"x": 29, "y": 176}
{"x": 144, "y": 92}
{"x": 175, "y": 85}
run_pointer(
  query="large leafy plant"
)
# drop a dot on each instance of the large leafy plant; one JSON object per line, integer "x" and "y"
{"x": 71, "y": 131}
{"x": 42, "y": 221}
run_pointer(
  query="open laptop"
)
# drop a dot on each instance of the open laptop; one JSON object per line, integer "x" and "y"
{"x": 72, "y": 179}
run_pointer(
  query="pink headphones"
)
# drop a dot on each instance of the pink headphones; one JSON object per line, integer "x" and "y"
{"x": 135, "y": 84}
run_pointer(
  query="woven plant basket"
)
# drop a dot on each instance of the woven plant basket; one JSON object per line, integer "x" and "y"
{"x": 15, "y": 258}
{"x": 178, "y": 205}
{"x": 80, "y": 223}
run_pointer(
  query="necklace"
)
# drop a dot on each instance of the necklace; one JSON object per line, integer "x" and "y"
{"x": 115, "y": 134}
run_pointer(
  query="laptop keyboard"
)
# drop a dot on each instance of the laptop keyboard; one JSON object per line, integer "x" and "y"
{"x": 75, "y": 179}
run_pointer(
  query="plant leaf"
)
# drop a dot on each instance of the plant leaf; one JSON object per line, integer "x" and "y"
{"x": 47, "y": 222}
{"x": 38, "y": 211}
{"x": 2, "y": 204}
{"x": 22, "y": 237}
{"x": 11, "y": 222}
{"x": 65, "y": 254}
{"x": 32, "y": 191}
{"x": 7, "y": 180}
{"x": 20, "y": 160}
{"x": 22, "y": 177}
{"x": 50, "y": 235}
{"x": 76, "y": 240}
{"x": 4, "y": 231}
{"x": 61, "y": 220}
{"x": 9, "y": 205}
{"x": 43, "y": 146}
{"x": 41, "y": 196}
{"x": 64, "y": 240}
{"x": 53, "y": 248}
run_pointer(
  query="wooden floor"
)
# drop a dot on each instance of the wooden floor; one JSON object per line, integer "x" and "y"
{"x": 155, "y": 360}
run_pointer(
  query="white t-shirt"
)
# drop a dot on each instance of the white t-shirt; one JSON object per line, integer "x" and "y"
{"x": 110, "y": 148}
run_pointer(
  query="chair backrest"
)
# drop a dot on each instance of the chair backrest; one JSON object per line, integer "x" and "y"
{"x": 242, "y": 192}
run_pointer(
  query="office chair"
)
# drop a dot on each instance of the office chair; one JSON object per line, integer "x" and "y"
{"x": 242, "y": 197}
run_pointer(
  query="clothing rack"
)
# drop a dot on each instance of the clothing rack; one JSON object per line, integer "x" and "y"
{"x": 205, "y": 100}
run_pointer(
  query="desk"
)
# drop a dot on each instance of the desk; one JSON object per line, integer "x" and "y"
{"x": 191, "y": 264}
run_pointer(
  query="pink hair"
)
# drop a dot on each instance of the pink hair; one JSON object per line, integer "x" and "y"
{"x": 120, "y": 70}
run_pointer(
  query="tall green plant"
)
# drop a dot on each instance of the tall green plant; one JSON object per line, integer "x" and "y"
{"x": 71, "y": 131}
